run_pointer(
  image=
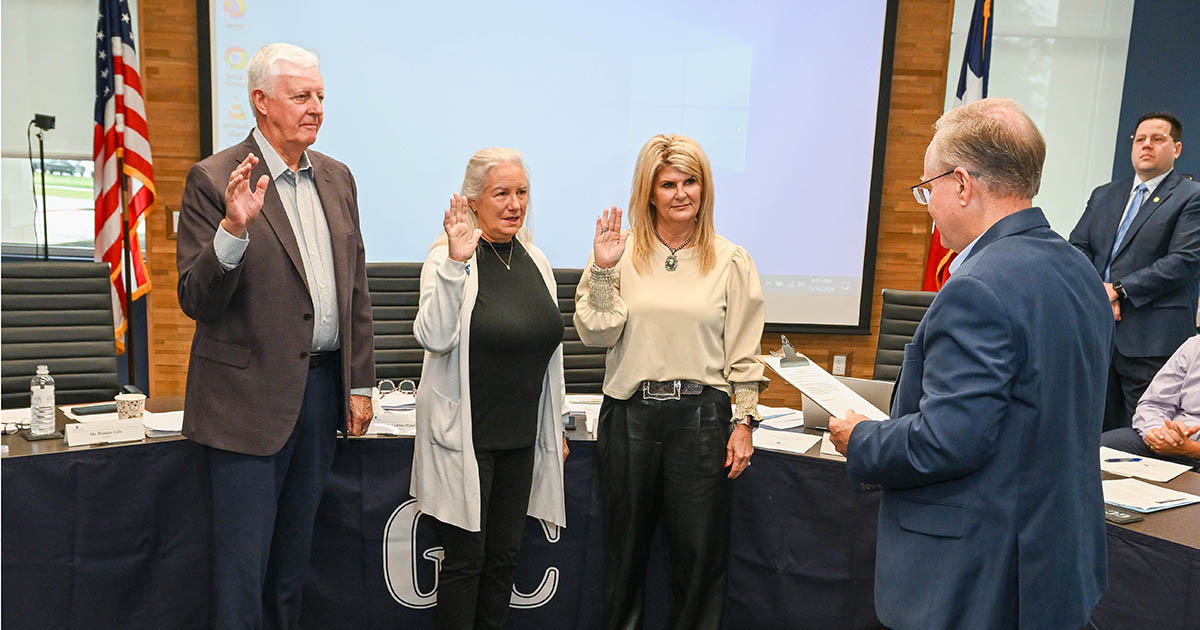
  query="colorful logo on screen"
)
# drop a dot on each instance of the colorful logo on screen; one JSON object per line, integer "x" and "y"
{"x": 236, "y": 112}
{"x": 236, "y": 57}
{"x": 235, "y": 8}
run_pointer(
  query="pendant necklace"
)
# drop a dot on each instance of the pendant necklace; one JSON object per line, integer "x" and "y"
{"x": 507, "y": 264}
{"x": 672, "y": 260}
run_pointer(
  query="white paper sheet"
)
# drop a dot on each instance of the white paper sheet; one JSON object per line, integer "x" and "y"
{"x": 397, "y": 401}
{"x": 162, "y": 424}
{"x": 1140, "y": 496}
{"x": 825, "y": 390}
{"x": 14, "y": 417}
{"x": 780, "y": 417}
{"x": 789, "y": 441}
{"x": 1143, "y": 467}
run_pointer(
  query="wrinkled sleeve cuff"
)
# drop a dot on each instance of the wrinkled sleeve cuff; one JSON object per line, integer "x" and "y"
{"x": 747, "y": 401}
{"x": 230, "y": 248}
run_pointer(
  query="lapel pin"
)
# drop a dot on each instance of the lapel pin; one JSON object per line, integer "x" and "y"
{"x": 1156, "y": 200}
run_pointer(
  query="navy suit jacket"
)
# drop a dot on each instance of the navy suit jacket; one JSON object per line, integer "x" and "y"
{"x": 992, "y": 514}
{"x": 1157, "y": 263}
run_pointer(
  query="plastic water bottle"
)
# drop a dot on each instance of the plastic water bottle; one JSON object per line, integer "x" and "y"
{"x": 41, "y": 402}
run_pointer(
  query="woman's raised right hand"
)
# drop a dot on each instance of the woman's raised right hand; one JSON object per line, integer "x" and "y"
{"x": 609, "y": 242}
{"x": 459, "y": 235}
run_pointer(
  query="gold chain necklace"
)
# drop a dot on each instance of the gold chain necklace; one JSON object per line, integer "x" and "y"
{"x": 507, "y": 264}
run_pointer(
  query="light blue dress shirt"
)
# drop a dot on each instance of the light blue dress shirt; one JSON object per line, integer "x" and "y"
{"x": 298, "y": 192}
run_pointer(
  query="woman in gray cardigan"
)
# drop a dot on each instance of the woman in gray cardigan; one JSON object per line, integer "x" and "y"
{"x": 489, "y": 447}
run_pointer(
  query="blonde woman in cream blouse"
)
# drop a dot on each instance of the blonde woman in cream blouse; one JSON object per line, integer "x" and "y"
{"x": 680, "y": 310}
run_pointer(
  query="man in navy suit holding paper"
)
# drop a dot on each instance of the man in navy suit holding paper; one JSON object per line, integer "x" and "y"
{"x": 992, "y": 512}
{"x": 1143, "y": 236}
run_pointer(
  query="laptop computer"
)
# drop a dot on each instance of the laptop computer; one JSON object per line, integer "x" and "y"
{"x": 878, "y": 393}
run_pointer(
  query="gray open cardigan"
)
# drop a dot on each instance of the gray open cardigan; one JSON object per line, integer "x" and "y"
{"x": 445, "y": 474}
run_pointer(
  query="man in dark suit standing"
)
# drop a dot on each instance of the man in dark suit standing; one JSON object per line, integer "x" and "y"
{"x": 271, "y": 267}
{"x": 1143, "y": 236}
{"x": 992, "y": 513}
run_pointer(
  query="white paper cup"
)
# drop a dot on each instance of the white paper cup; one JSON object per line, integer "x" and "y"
{"x": 130, "y": 405}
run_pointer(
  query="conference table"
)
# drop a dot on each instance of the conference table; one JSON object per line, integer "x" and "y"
{"x": 117, "y": 536}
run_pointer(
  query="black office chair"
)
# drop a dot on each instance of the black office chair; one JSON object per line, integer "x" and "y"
{"x": 395, "y": 290}
{"x": 583, "y": 367}
{"x": 57, "y": 313}
{"x": 395, "y": 295}
{"x": 902, "y": 312}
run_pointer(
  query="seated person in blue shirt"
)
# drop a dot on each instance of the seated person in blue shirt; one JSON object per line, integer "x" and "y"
{"x": 1166, "y": 424}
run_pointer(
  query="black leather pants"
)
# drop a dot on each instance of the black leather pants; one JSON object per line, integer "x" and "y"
{"x": 665, "y": 458}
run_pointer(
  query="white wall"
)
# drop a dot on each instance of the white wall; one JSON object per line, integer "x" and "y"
{"x": 1063, "y": 62}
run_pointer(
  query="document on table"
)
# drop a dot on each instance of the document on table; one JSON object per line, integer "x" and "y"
{"x": 822, "y": 388}
{"x": 14, "y": 417}
{"x": 397, "y": 401}
{"x": 1130, "y": 465}
{"x": 162, "y": 424}
{"x": 780, "y": 417}
{"x": 1143, "y": 497}
{"x": 786, "y": 441}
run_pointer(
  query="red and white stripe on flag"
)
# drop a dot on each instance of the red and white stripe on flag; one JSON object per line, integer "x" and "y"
{"x": 121, "y": 138}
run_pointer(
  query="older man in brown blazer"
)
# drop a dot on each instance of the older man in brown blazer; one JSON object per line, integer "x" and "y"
{"x": 271, "y": 267}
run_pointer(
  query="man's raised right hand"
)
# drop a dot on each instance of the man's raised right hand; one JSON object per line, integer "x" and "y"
{"x": 242, "y": 205}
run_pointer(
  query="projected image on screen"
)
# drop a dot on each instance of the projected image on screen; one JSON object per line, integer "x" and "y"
{"x": 783, "y": 96}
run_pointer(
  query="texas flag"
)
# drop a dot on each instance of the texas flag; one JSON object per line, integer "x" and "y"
{"x": 972, "y": 86}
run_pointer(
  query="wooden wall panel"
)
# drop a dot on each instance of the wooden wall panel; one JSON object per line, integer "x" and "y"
{"x": 169, "y": 59}
{"x": 169, "y": 65}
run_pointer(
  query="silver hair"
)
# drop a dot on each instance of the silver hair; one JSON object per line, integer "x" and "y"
{"x": 475, "y": 178}
{"x": 264, "y": 65}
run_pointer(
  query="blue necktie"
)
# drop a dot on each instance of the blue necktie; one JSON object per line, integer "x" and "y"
{"x": 1138, "y": 195}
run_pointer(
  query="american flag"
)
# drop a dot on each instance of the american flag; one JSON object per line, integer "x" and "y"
{"x": 121, "y": 133}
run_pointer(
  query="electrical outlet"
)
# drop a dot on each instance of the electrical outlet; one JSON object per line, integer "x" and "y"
{"x": 839, "y": 365}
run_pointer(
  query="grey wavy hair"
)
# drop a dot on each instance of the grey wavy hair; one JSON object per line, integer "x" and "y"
{"x": 264, "y": 65}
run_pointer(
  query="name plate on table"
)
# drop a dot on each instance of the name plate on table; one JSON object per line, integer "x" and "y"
{"x": 104, "y": 432}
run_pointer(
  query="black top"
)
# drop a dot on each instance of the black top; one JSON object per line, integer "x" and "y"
{"x": 515, "y": 327}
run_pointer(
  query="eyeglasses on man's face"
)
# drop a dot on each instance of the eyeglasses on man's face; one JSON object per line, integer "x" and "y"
{"x": 922, "y": 191}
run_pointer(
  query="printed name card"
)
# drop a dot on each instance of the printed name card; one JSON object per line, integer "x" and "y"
{"x": 104, "y": 432}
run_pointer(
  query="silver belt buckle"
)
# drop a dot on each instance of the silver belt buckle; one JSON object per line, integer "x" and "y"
{"x": 654, "y": 390}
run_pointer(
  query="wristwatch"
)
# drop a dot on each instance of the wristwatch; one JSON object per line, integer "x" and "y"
{"x": 748, "y": 421}
{"x": 1119, "y": 289}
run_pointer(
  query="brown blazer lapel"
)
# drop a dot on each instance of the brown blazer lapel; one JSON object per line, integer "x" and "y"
{"x": 276, "y": 216}
{"x": 341, "y": 230}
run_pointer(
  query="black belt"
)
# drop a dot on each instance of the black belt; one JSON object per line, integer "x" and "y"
{"x": 320, "y": 358}
{"x": 670, "y": 390}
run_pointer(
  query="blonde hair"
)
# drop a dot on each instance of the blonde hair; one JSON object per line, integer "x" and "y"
{"x": 475, "y": 179}
{"x": 996, "y": 142}
{"x": 684, "y": 154}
